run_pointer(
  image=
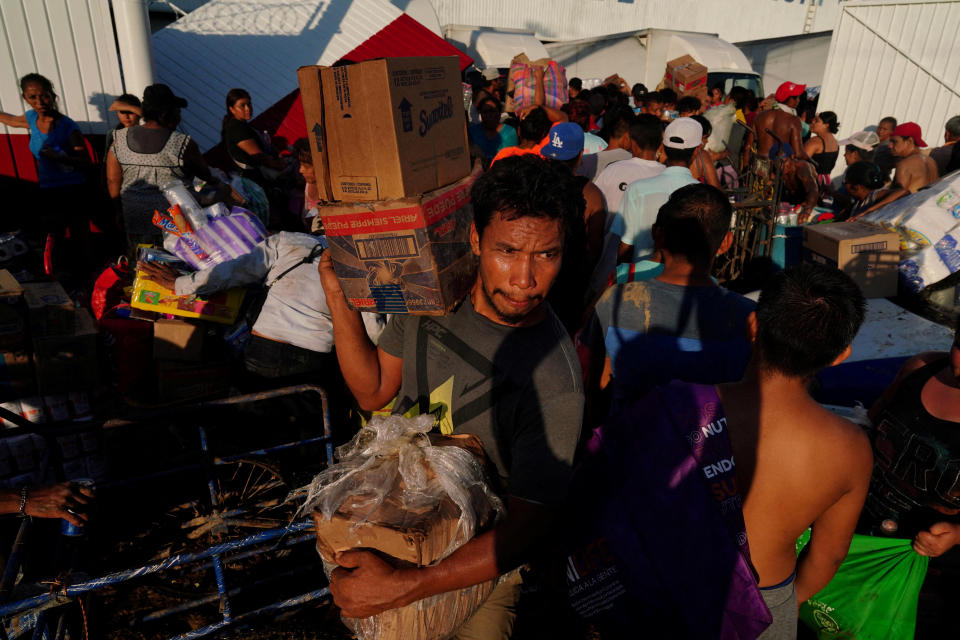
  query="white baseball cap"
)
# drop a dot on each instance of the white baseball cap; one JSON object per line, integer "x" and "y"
{"x": 865, "y": 140}
{"x": 683, "y": 133}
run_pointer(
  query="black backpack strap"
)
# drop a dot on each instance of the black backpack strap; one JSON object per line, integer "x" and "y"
{"x": 316, "y": 251}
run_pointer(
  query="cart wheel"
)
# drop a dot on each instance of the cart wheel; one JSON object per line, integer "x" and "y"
{"x": 250, "y": 497}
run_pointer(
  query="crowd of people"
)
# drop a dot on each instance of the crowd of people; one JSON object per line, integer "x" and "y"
{"x": 561, "y": 363}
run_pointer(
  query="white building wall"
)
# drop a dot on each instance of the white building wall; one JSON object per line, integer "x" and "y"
{"x": 732, "y": 20}
{"x": 895, "y": 59}
{"x": 71, "y": 42}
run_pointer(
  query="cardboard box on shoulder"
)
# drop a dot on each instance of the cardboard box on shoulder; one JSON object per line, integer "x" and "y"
{"x": 404, "y": 256}
{"x": 67, "y": 362}
{"x": 50, "y": 310}
{"x": 867, "y": 254}
{"x": 390, "y": 128}
{"x": 685, "y": 75}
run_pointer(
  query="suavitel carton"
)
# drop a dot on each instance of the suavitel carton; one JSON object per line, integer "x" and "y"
{"x": 410, "y": 255}
{"x": 393, "y": 127}
{"x": 869, "y": 255}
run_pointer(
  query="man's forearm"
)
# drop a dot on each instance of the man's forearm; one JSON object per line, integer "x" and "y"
{"x": 896, "y": 194}
{"x": 486, "y": 556}
{"x": 356, "y": 354}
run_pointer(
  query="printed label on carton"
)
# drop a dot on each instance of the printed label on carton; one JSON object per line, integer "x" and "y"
{"x": 372, "y": 221}
{"x": 407, "y": 77}
{"x": 342, "y": 86}
{"x": 446, "y": 204}
{"x": 358, "y": 186}
{"x": 399, "y": 246}
{"x": 442, "y": 111}
{"x": 869, "y": 247}
{"x": 434, "y": 73}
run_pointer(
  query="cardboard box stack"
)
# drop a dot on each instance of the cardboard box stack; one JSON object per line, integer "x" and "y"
{"x": 390, "y": 153}
{"x": 868, "y": 255}
{"x": 48, "y": 366}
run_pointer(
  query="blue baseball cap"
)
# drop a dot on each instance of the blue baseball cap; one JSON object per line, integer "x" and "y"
{"x": 564, "y": 141}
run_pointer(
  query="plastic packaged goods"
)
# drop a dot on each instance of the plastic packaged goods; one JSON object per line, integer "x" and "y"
{"x": 413, "y": 498}
{"x": 226, "y": 237}
{"x": 177, "y": 193}
{"x": 932, "y": 264}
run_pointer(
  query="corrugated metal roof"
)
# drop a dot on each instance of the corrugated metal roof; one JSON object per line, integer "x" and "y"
{"x": 732, "y": 20}
{"x": 894, "y": 59}
{"x": 257, "y": 45}
{"x": 72, "y": 44}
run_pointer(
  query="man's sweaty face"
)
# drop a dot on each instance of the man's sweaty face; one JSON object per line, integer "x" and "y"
{"x": 519, "y": 260}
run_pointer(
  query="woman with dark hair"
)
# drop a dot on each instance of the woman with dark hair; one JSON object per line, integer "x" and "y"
{"x": 61, "y": 154}
{"x": 823, "y": 147}
{"x": 864, "y": 183}
{"x": 147, "y": 156}
{"x": 491, "y": 135}
{"x": 245, "y": 146}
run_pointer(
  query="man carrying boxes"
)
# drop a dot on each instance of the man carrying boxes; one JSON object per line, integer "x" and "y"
{"x": 501, "y": 367}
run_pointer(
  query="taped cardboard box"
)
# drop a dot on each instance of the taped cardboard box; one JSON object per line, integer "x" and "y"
{"x": 417, "y": 536}
{"x": 685, "y": 74}
{"x": 868, "y": 255}
{"x": 406, "y": 526}
{"x": 392, "y": 128}
{"x": 404, "y": 256}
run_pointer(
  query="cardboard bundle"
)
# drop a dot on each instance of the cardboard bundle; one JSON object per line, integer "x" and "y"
{"x": 685, "y": 75}
{"x": 390, "y": 154}
{"x": 413, "y": 502}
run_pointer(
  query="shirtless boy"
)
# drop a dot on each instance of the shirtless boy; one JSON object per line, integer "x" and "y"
{"x": 914, "y": 170}
{"x": 797, "y": 463}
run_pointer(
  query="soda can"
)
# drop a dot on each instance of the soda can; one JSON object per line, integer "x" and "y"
{"x": 67, "y": 528}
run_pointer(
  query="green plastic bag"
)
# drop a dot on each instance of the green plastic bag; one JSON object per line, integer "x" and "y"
{"x": 874, "y": 594}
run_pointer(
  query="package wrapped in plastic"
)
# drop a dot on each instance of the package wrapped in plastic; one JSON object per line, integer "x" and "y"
{"x": 228, "y": 237}
{"x": 415, "y": 499}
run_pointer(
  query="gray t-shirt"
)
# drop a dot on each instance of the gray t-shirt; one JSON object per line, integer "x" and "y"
{"x": 655, "y": 332}
{"x": 517, "y": 389}
{"x": 592, "y": 165}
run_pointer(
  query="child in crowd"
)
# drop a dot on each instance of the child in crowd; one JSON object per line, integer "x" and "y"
{"x": 311, "y": 195}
